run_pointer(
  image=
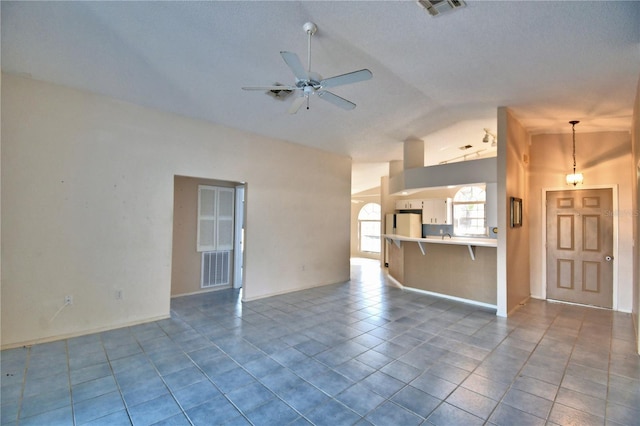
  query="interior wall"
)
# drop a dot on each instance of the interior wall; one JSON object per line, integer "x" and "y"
{"x": 442, "y": 175}
{"x": 605, "y": 159}
{"x": 516, "y": 185}
{"x": 185, "y": 260}
{"x": 635, "y": 143}
{"x": 1, "y": 173}
{"x": 387, "y": 206}
{"x": 358, "y": 201}
{"x": 87, "y": 196}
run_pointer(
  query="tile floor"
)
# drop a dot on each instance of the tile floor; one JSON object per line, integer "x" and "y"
{"x": 359, "y": 353}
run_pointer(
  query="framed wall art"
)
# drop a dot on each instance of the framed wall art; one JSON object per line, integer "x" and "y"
{"x": 516, "y": 212}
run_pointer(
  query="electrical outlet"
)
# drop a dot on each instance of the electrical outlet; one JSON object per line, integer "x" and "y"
{"x": 118, "y": 294}
{"x": 68, "y": 300}
{"x": 441, "y": 232}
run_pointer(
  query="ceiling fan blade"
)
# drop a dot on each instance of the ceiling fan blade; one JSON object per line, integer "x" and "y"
{"x": 336, "y": 100}
{"x": 267, "y": 88}
{"x": 296, "y": 104}
{"x": 295, "y": 65}
{"x": 352, "y": 77}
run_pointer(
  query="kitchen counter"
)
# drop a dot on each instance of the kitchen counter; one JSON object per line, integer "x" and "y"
{"x": 482, "y": 242}
{"x": 471, "y": 243}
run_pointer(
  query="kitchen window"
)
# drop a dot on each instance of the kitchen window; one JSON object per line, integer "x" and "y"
{"x": 469, "y": 212}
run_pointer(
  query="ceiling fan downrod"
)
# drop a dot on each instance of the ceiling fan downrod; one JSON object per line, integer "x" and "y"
{"x": 310, "y": 28}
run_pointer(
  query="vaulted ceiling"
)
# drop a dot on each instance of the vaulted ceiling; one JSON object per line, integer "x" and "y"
{"x": 439, "y": 79}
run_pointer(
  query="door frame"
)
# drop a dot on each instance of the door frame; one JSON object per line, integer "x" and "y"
{"x": 239, "y": 243}
{"x": 543, "y": 231}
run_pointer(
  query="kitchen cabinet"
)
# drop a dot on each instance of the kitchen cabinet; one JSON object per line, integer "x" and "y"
{"x": 436, "y": 211}
{"x": 409, "y": 205}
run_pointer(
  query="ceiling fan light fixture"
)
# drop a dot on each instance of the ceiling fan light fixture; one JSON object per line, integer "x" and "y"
{"x": 279, "y": 94}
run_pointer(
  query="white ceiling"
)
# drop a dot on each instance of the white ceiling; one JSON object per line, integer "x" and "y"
{"x": 439, "y": 79}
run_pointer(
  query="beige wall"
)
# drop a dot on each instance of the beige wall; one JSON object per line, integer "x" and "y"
{"x": 605, "y": 160}
{"x": 449, "y": 269}
{"x": 518, "y": 284}
{"x": 387, "y": 203}
{"x": 513, "y": 243}
{"x": 87, "y": 198}
{"x": 635, "y": 138}
{"x": 396, "y": 262}
{"x": 185, "y": 260}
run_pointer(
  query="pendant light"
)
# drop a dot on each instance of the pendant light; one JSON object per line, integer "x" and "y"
{"x": 574, "y": 178}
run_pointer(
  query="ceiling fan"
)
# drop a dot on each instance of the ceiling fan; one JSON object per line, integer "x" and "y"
{"x": 310, "y": 83}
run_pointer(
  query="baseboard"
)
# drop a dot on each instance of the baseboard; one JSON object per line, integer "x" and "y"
{"x": 203, "y": 291}
{"x": 280, "y": 293}
{"x": 27, "y": 343}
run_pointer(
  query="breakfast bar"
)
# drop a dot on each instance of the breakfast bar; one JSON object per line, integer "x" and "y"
{"x": 460, "y": 268}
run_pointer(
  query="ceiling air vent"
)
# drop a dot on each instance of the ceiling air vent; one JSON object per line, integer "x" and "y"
{"x": 466, "y": 147}
{"x": 436, "y": 7}
{"x": 279, "y": 94}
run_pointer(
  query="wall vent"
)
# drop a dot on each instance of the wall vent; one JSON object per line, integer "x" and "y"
{"x": 436, "y": 7}
{"x": 215, "y": 268}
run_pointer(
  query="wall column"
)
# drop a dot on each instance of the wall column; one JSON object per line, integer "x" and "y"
{"x": 413, "y": 153}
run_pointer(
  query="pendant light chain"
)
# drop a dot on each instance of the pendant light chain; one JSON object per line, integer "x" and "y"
{"x": 574, "y": 178}
{"x": 573, "y": 126}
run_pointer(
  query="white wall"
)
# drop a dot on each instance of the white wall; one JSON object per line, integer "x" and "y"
{"x": 87, "y": 202}
{"x": 460, "y": 173}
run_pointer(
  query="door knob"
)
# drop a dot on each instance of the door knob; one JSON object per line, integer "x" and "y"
{"x": 608, "y": 258}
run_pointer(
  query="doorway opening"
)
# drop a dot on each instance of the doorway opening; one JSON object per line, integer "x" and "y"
{"x": 369, "y": 229}
{"x": 208, "y": 235}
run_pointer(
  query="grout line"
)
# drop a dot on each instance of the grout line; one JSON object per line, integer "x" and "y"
{"x": 66, "y": 350}
{"x": 24, "y": 383}
{"x": 348, "y": 301}
{"x": 606, "y": 400}
{"x": 113, "y": 374}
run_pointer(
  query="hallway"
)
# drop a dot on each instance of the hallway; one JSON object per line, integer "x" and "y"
{"x": 359, "y": 352}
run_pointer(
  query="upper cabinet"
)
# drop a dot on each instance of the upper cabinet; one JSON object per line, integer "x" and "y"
{"x": 436, "y": 211}
{"x": 409, "y": 204}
